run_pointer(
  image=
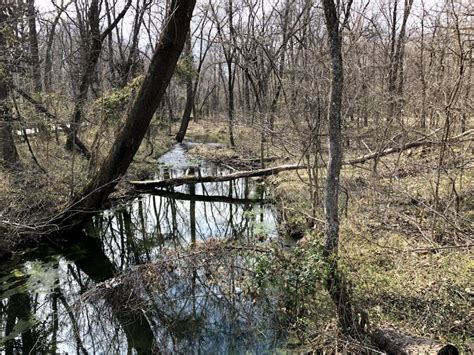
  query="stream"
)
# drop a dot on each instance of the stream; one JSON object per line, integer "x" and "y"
{"x": 143, "y": 277}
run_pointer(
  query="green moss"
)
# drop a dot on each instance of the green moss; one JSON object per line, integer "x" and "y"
{"x": 185, "y": 66}
{"x": 112, "y": 105}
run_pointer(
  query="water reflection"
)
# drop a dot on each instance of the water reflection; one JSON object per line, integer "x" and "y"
{"x": 124, "y": 288}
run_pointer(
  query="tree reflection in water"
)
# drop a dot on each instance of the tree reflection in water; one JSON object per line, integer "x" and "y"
{"x": 158, "y": 274}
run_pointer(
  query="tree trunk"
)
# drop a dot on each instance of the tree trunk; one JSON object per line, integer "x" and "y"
{"x": 110, "y": 47}
{"x": 220, "y": 178}
{"x": 34, "y": 52}
{"x": 93, "y": 43}
{"x": 8, "y": 153}
{"x": 130, "y": 67}
{"x": 231, "y": 103}
{"x": 396, "y": 64}
{"x": 392, "y": 75}
{"x": 9, "y": 158}
{"x": 335, "y": 282}
{"x": 189, "y": 94}
{"x": 334, "y": 129}
{"x": 48, "y": 60}
{"x": 128, "y": 141}
{"x": 231, "y": 73}
{"x": 397, "y": 343}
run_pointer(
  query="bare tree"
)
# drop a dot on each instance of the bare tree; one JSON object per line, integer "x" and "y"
{"x": 229, "y": 49}
{"x": 8, "y": 154}
{"x": 203, "y": 44}
{"x": 92, "y": 44}
{"x": 34, "y": 51}
{"x": 397, "y": 49}
{"x": 335, "y": 282}
{"x": 144, "y": 106}
{"x": 48, "y": 58}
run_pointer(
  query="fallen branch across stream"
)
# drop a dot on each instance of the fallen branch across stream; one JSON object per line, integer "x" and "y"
{"x": 207, "y": 198}
{"x": 191, "y": 179}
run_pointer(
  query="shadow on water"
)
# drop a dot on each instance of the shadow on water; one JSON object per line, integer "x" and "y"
{"x": 116, "y": 291}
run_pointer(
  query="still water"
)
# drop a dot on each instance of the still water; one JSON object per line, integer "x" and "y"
{"x": 149, "y": 275}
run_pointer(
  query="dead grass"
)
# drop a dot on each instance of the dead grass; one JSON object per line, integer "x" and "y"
{"x": 400, "y": 274}
{"x": 404, "y": 271}
{"x": 30, "y": 197}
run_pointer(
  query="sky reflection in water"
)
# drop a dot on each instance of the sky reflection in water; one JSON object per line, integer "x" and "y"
{"x": 191, "y": 306}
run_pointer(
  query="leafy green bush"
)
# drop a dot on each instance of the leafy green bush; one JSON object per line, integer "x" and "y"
{"x": 296, "y": 279}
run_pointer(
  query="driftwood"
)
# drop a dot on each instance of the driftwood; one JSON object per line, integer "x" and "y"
{"x": 148, "y": 184}
{"x": 394, "y": 342}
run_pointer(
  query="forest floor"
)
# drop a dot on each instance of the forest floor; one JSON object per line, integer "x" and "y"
{"x": 405, "y": 271}
{"x": 35, "y": 193}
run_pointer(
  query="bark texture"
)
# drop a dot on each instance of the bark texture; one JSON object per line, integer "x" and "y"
{"x": 334, "y": 128}
{"x": 8, "y": 154}
{"x": 93, "y": 43}
{"x": 336, "y": 284}
{"x": 189, "y": 95}
{"x": 33, "y": 39}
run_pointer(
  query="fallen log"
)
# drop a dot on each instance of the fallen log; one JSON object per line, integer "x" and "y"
{"x": 189, "y": 179}
{"x": 401, "y": 148}
{"x": 206, "y": 198}
{"x": 148, "y": 184}
{"x": 395, "y": 342}
{"x": 41, "y": 109}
